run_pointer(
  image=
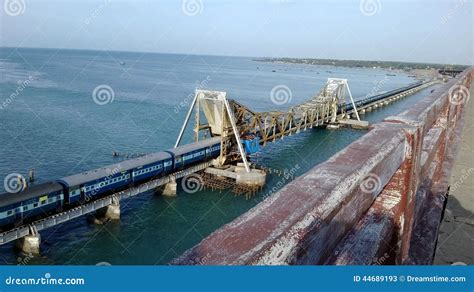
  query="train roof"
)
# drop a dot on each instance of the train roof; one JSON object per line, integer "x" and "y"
{"x": 144, "y": 160}
{"x": 194, "y": 146}
{"x": 29, "y": 193}
{"x": 91, "y": 175}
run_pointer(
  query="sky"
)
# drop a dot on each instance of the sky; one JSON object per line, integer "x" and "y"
{"x": 437, "y": 31}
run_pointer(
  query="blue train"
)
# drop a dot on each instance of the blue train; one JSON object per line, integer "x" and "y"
{"x": 47, "y": 198}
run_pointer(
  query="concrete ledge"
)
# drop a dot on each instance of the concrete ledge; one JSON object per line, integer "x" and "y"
{"x": 300, "y": 224}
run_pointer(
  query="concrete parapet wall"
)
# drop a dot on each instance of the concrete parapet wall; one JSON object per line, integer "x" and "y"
{"x": 378, "y": 201}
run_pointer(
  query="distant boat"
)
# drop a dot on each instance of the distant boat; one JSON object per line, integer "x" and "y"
{"x": 273, "y": 70}
{"x": 389, "y": 74}
{"x": 122, "y": 63}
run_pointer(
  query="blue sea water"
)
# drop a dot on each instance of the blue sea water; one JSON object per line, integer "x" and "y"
{"x": 50, "y": 123}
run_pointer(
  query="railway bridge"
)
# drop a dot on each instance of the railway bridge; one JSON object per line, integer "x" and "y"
{"x": 230, "y": 132}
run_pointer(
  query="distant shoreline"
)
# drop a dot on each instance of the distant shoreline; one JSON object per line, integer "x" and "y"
{"x": 388, "y": 65}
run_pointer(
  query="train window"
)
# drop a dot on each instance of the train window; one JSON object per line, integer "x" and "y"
{"x": 10, "y": 212}
{"x": 25, "y": 208}
{"x": 43, "y": 202}
{"x": 35, "y": 205}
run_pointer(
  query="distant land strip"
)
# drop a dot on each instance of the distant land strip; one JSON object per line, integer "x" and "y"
{"x": 406, "y": 66}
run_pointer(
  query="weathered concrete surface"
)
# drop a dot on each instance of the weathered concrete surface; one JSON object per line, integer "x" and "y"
{"x": 29, "y": 244}
{"x": 328, "y": 215}
{"x": 456, "y": 235}
{"x": 301, "y": 222}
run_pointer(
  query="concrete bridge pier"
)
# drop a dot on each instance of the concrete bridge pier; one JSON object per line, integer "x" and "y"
{"x": 30, "y": 244}
{"x": 108, "y": 213}
{"x": 170, "y": 189}
{"x": 255, "y": 177}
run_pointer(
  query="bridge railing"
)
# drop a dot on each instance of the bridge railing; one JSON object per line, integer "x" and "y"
{"x": 379, "y": 200}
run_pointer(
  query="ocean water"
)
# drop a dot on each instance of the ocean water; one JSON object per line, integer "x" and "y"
{"x": 50, "y": 123}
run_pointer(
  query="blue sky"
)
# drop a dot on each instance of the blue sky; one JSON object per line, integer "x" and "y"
{"x": 419, "y": 31}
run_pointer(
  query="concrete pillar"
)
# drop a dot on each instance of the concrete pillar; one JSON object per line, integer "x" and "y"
{"x": 255, "y": 177}
{"x": 110, "y": 212}
{"x": 170, "y": 189}
{"x": 30, "y": 244}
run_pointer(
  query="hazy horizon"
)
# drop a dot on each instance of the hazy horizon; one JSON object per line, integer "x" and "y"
{"x": 234, "y": 56}
{"x": 371, "y": 30}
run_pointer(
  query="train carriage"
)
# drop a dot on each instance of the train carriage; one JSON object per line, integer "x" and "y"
{"x": 33, "y": 202}
{"x": 149, "y": 166}
{"x": 191, "y": 153}
{"x": 90, "y": 184}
